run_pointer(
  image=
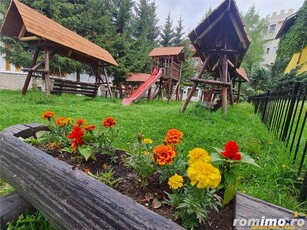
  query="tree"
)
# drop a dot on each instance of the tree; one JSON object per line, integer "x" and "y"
{"x": 145, "y": 34}
{"x": 256, "y": 28}
{"x": 178, "y": 36}
{"x": 167, "y": 34}
{"x": 294, "y": 40}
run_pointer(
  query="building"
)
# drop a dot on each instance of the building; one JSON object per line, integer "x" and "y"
{"x": 274, "y": 24}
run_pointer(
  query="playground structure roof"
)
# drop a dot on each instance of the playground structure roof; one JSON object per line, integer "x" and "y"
{"x": 23, "y": 23}
{"x": 168, "y": 51}
{"x": 223, "y": 25}
{"x": 137, "y": 77}
{"x": 240, "y": 71}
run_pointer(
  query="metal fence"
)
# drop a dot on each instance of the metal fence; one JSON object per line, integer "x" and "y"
{"x": 285, "y": 113}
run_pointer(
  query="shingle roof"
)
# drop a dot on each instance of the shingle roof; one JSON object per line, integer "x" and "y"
{"x": 24, "y": 23}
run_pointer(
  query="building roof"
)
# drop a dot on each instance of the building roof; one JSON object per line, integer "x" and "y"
{"x": 23, "y": 23}
{"x": 138, "y": 77}
{"x": 166, "y": 51}
{"x": 223, "y": 22}
{"x": 288, "y": 22}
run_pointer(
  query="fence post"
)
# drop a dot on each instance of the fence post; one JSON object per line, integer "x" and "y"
{"x": 303, "y": 194}
{"x": 290, "y": 112}
{"x": 265, "y": 105}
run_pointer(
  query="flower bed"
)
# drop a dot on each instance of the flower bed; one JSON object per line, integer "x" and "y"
{"x": 184, "y": 186}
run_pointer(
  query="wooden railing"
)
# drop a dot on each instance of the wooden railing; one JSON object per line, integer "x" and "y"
{"x": 285, "y": 114}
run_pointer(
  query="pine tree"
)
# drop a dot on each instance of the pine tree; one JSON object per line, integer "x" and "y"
{"x": 167, "y": 34}
{"x": 178, "y": 36}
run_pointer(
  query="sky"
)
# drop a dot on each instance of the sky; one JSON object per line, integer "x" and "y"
{"x": 193, "y": 11}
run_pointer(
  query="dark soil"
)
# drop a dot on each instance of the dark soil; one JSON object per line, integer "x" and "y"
{"x": 222, "y": 220}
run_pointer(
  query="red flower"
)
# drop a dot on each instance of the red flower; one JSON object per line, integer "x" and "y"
{"x": 109, "y": 122}
{"x": 77, "y": 135}
{"x": 232, "y": 151}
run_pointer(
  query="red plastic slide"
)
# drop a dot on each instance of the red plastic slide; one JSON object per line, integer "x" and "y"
{"x": 156, "y": 74}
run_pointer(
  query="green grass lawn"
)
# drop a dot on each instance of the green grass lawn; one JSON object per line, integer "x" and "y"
{"x": 274, "y": 181}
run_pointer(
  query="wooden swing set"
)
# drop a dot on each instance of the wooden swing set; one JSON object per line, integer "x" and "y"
{"x": 221, "y": 42}
{"x": 49, "y": 38}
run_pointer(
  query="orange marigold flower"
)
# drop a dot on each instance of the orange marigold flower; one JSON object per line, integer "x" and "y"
{"x": 47, "y": 115}
{"x": 61, "y": 121}
{"x": 88, "y": 128}
{"x": 173, "y": 137}
{"x": 163, "y": 154}
{"x": 109, "y": 122}
{"x": 80, "y": 122}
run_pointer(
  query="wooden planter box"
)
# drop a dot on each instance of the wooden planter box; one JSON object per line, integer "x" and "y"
{"x": 69, "y": 199}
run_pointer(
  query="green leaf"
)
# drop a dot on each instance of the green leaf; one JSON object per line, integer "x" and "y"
{"x": 248, "y": 160}
{"x": 86, "y": 151}
{"x": 216, "y": 157}
{"x": 230, "y": 178}
{"x": 229, "y": 194}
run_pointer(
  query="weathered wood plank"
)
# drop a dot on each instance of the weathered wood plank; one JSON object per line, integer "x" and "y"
{"x": 248, "y": 207}
{"x": 69, "y": 198}
{"x": 12, "y": 206}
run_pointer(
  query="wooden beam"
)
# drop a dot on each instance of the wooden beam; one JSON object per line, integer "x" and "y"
{"x": 22, "y": 32}
{"x": 30, "y": 38}
{"x": 28, "y": 79}
{"x": 47, "y": 80}
{"x": 107, "y": 80}
{"x": 211, "y": 82}
{"x": 187, "y": 101}
{"x": 224, "y": 79}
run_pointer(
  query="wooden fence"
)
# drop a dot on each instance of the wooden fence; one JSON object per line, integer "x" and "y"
{"x": 285, "y": 113}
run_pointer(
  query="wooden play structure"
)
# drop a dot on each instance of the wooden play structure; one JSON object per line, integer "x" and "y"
{"x": 221, "y": 42}
{"x": 50, "y": 38}
{"x": 166, "y": 73}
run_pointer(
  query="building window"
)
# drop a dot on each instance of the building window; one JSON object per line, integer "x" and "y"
{"x": 274, "y": 49}
{"x": 267, "y": 50}
{"x": 272, "y": 28}
{"x": 18, "y": 68}
{"x": 7, "y": 65}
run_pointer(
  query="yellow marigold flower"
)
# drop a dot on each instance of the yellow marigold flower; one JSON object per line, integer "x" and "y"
{"x": 69, "y": 120}
{"x": 204, "y": 175}
{"x": 198, "y": 154}
{"x": 175, "y": 181}
{"x": 147, "y": 141}
{"x": 173, "y": 137}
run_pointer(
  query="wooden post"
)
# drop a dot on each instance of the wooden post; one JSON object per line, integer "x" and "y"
{"x": 224, "y": 79}
{"x": 187, "y": 101}
{"x": 28, "y": 79}
{"x": 107, "y": 80}
{"x": 230, "y": 89}
{"x": 239, "y": 90}
{"x": 47, "y": 80}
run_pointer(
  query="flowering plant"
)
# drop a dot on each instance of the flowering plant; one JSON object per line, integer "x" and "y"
{"x": 80, "y": 139}
{"x": 228, "y": 161}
